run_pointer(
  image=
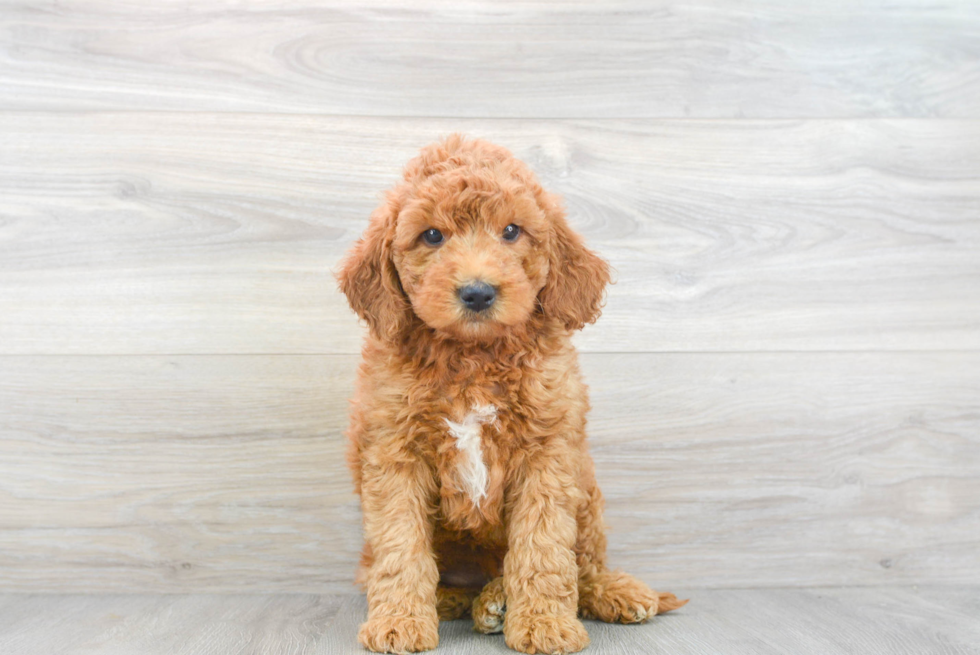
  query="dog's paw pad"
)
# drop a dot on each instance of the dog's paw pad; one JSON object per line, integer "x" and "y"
{"x": 615, "y": 597}
{"x": 489, "y": 608}
{"x": 493, "y": 620}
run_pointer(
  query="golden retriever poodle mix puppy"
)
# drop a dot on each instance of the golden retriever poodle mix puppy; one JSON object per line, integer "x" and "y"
{"x": 467, "y": 433}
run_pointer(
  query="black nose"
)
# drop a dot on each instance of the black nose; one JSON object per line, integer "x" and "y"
{"x": 477, "y": 296}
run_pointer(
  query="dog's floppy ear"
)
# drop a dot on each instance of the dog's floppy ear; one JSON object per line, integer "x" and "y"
{"x": 577, "y": 278}
{"x": 369, "y": 279}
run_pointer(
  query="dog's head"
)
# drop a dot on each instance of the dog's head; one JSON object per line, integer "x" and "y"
{"x": 473, "y": 246}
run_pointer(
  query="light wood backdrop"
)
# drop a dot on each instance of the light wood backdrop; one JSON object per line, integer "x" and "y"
{"x": 786, "y": 379}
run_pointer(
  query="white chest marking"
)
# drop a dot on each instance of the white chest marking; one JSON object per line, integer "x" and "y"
{"x": 472, "y": 470}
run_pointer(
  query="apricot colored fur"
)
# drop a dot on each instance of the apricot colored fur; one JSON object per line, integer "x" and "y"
{"x": 536, "y": 539}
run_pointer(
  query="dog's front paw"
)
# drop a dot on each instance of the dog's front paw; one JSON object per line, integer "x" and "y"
{"x": 387, "y": 634}
{"x": 616, "y": 597}
{"x": 544, "y": 633}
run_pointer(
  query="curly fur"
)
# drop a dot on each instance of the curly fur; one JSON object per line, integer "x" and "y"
{"x": 450, "y": 503}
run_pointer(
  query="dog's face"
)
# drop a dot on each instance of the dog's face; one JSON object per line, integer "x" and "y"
{"x": 469, "y": 252}
{"x": 472, "y": 246}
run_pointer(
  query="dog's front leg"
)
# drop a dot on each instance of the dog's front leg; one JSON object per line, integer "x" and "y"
{"x": 540, "y": 571}
{"x": 396, "y": 499}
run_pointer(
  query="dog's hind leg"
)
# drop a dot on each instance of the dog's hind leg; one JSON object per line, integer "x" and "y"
{"x": 489, "y": 607}
{"x": 454, "y": 602}
{"x": 610, "y": 596}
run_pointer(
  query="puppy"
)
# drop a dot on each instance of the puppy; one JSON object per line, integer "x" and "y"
{"x": 467, "y": 434}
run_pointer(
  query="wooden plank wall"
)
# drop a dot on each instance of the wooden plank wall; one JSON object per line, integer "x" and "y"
{"x": 786, "y": 379}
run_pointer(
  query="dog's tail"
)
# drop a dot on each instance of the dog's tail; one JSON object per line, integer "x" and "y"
{"x": 667, "y": 602}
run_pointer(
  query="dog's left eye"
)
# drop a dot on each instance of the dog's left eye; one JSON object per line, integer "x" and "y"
{"x": 432, "y": 236}
{"x": 511, "y": 232}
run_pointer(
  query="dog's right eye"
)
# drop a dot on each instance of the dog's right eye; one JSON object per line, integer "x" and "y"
{"x": 432, "y": 236}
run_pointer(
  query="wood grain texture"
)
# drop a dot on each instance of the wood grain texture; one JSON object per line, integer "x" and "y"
{"x": 173, "y": 473}
{"x": 839, "y": 621}
{"x": 212, "y": 233}
{"x": 704, "y": 59}
{"x": 279, "y": 624}
{"x": 836, "y": 621}
{"x": 226, "y": 474}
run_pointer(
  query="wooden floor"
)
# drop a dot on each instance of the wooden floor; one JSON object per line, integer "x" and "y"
{"x": 785, "y": 380}
{"x": 830, "y": 621}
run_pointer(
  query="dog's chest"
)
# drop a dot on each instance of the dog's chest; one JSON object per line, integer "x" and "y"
{"x": 470, "y": 472}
